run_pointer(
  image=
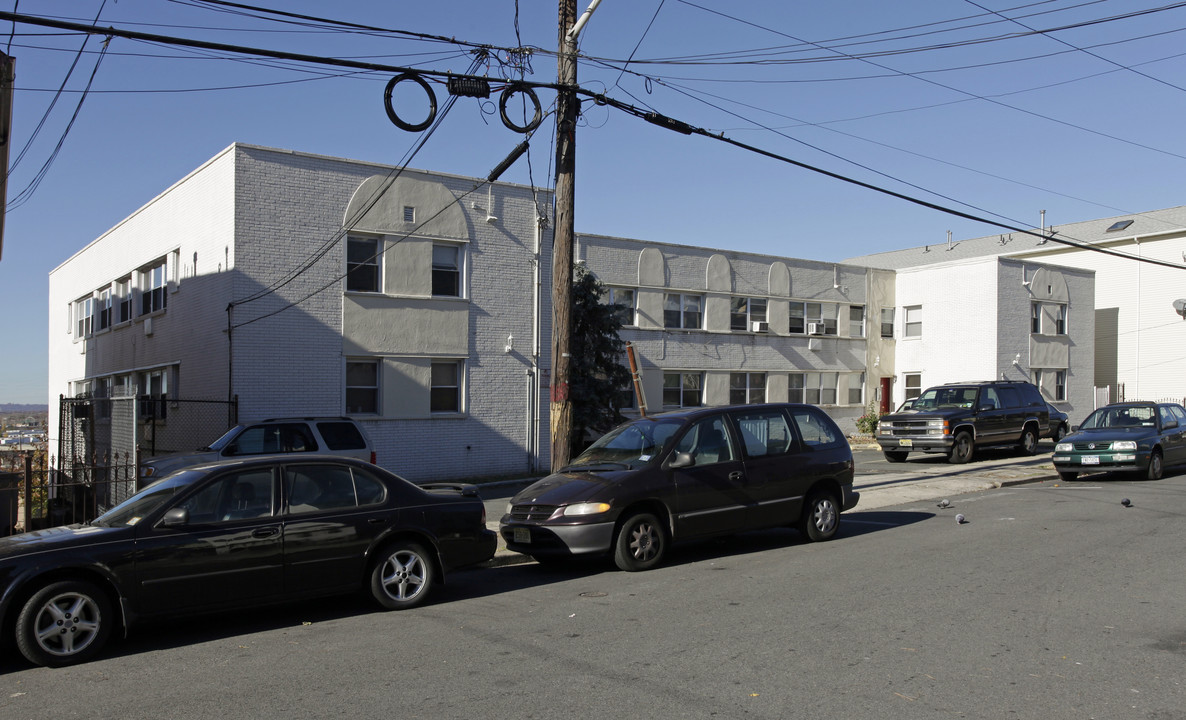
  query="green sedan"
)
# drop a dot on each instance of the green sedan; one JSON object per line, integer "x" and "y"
{"x": 1140, "y": 437}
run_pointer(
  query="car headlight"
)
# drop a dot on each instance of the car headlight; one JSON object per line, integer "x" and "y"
{"x": 1064, "y": 447}
{"x": 587, "y": 508}
{"x": 1124, "y": 445}
{"x": 510, "y": 505}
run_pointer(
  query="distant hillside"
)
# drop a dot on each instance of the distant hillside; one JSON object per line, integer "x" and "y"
{"x": 18, "y": 408}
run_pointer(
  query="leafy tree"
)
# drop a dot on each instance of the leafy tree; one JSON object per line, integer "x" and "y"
{"x": 597, "y": 373}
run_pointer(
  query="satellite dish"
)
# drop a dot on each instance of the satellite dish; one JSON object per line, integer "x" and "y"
{"x": 1180, "y": 307}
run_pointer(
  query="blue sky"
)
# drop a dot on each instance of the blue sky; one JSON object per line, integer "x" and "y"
{"x": 998, "y": 109}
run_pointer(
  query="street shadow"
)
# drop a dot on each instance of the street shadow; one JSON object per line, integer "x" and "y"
{"x": 1140, "y": 477}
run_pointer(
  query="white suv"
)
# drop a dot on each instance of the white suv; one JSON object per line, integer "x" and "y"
{"x": 332, "y": 436}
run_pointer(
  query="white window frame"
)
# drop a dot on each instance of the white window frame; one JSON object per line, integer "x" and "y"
{"x": 1035, "y": 317}
{"x": 856, "y": 326}
{"x": 682, "y": 300}
{"x": 103, "y": 309}
{"x": 1060, "y": 385}
{"x": 812, "y": 313}
{"x": 745, "y": 311}
{"x": 615, "y": 295}
{"x": 457, "y": 386}
{"x": 374, "y": 389}
{"x": 457, "y": 269}
{"x": 911, "y": 390}
{"x": 856, "y": 389}
{"x": 373, "y": 260}
{"x": 1061, "y": 318}
{"x": 124, "y": 302}
{"x": 912, "y": 321}
{"x": 887, "y": 326}
{"x": 683, "y": 389}
{"x": 752, "y": 388}
{"x": 84, "y": 317}
{"x": 154, "y": 287}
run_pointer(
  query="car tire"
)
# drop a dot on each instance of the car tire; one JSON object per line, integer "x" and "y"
{"x": 821, "y": 516}
{"x": 1028, "y": 445}
{"x": 1060, "y": 433}
{"x": 641, "y": 543}
{"x": 962, "y": 448}
{"x": 1067, "y": 475}
{"x": 1155, "y": 468}
{"x": 64, "y": 623}
{"x": 895, "y": 456}
{"x": 403, "y": 576}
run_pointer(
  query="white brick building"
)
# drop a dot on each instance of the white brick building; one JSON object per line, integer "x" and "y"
{"x": 419, "y": 303}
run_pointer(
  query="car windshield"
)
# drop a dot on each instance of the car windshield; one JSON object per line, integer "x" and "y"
{"x": 630, "y": 445}
{"x": 132, "y": 510}
{"x": 222, "y": 442}
{"x": 945, "y": 397}
{"x": 1115, "y": 417}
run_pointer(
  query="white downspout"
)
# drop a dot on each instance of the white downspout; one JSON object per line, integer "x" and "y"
{"x": 533, "y": 371}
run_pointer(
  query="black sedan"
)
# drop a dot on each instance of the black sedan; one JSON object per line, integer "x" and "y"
{"x": 232, "y": 534}
{"x": 685, "y": 475}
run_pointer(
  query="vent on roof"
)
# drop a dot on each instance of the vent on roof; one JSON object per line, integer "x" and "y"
{"x": 1118, "y": 226}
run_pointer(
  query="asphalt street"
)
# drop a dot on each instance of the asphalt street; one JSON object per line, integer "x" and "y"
{"x": 1054, "y": 600}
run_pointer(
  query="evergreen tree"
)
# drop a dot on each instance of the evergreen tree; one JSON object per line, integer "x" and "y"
{"x": 597, "y": 373}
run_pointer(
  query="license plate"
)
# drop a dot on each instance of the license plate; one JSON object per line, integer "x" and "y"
{"x": 905, "y": 442}
{"x": 523, "y": 536}
{"x": 1090, "y": 460}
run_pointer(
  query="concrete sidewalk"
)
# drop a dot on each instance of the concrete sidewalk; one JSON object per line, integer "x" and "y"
{"x": 916, "y": 482}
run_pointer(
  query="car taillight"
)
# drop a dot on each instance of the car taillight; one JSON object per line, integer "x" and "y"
{"x": 483, "y": 516}
{"x": 373, "y": 458}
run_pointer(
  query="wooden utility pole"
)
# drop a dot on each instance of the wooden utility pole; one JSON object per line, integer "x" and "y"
{"x": 566, "y": 125}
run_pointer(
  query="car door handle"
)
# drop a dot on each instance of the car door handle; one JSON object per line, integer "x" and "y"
{"x": 736, "y": 476}
{"x": 376, "y": 521}
{"x": 264, "y": 532}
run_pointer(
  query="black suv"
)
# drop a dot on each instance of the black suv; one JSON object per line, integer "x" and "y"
{"x": 958, "y": 417}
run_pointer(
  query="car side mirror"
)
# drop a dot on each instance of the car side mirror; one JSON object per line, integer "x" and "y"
{"x": 1074, "y": 428}
{"x": 680, "y": 460}
{"x": 175, "y": 517}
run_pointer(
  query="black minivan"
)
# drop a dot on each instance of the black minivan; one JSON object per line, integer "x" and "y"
{"x": 684, "y": 475}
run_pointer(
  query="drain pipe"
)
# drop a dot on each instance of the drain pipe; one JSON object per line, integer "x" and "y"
{"x": 533, "y": 371}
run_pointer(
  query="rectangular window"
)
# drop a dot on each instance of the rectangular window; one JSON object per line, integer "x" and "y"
{"x": 1060, "y": 319}
{"x": 446, "y": 270}
{"x": 913, "y": 321}
{"x": 682, "y": 311}
{"x": 822, "y": 316}
{"x": 795, "y": 388}
{"x": 744, "y": 312}
{"x": 104, "y": 309}
{"x": 123, "y": 290}
{"x": 623, "y": 301}
{"x": 820, "y": 388}
{"x": 856, "y": 389}
{"x": 154, "y": 394}
{"x": 887, "y": 322}
{"x": 1060, "y": 385}
{"x": 84, "y": 310}
{"x": 682, "y": 389}
{"x": 747, "y": 388}
{"x": 1035, "y": 317}
{"x": 446, "y": 386}
{"x": 856, "y": 321}
{"x": 362, "y": 264}
{"x": 362, "y": 387}
{"x": 409, "y": 214}
{"x": 913, "y": 382}
{"x": 152, "y": 290}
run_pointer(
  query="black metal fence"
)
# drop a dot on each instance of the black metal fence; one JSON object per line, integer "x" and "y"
{"x": 101, "y": 442}
{"x": 42, "y": 494}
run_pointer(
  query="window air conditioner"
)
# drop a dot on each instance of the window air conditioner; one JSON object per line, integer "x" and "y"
{"x": 760, "y": 326}
{"x": 815, "y": 328}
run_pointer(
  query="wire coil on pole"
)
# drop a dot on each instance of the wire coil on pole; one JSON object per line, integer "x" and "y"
{"x": 432, "y": 103}
{"x": 508, "y": 92}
